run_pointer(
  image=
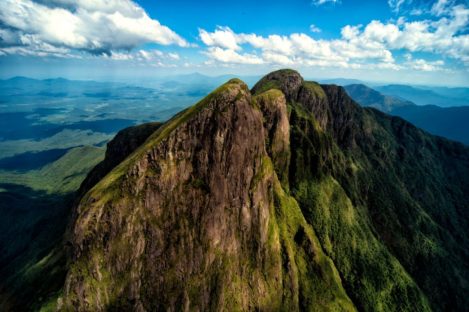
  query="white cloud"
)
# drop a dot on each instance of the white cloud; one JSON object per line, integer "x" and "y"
{"x": 423, "y": 65}
{"x": 276, "y": 58}
{"x": 369, "y": 46}
{"x": 315, "y": 29}
{"x": 296, "y": 48}
{"x": 442, "y": 36}
{"x": 146, "y": 57}
{"x": 98, "y": 27}
{"x": 395, "y": 5}
{"x": 431, "y": 7}
{"x": 441, "y": 7}
{"x": 416, "y": 12}
{"x": 321, "y": 2}
{"x": 222, "y": 37}
{"x": 272, "y": 43}
{"x": 174, "y": 56}
{"x": 231, "y": 56}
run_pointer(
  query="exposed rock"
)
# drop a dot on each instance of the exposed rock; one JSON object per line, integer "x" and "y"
{"x": 288, "y": 81}
{"x": 124, "y": 143}
{"x": 277, "y": 130}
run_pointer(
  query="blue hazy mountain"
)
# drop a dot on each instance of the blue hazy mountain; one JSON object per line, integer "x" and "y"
{"x": 449, "y": 122}
{"x": 367, "y": 96}
{"x": 439, "y": 96}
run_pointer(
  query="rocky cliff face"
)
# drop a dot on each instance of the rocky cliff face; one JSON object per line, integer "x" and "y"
{"x": 286, "y": 197}
{"x": 124, "y": 143}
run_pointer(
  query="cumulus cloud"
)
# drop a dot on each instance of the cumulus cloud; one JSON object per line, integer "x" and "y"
{"x": 222, "y": 37}
{"x": 297, "y": 48}
{"x": 423, "y": 65}
{"x": 441, "y": 36}
{"x": 359, "y": 46}
{"x": 148, "y": 57}
{"x": 98, "y": 27}
{"x": 231, "y": 56}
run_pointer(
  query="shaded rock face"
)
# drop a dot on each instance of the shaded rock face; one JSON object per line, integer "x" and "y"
{"x": 276, "y": 130}
{"x": 287, "y": 197}
{"x": 124, "y": 143}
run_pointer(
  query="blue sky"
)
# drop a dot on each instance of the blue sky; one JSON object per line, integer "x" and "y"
{"x": 407, "y": 41}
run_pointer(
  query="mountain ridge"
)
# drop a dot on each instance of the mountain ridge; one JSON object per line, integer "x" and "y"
{"x": 291, "y": 187}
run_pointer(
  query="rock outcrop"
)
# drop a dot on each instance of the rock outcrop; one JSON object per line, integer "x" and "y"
{"x": 120, "y": 147}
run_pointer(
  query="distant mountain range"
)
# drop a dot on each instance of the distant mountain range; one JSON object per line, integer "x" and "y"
{"x": 449, "y": 122}
{"x": 444, "y": 97}
{"x": 418, "y": 94}
{"x": 367, "y": 96}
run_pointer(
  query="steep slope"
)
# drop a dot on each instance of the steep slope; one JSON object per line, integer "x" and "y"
{"x": 286, "y": 197}
{"x": 448, "y": 122}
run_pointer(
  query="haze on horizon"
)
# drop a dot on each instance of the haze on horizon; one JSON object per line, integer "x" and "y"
{"x": 393, "y": 41}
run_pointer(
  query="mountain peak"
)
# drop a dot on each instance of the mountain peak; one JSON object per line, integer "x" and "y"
{"x": 291, "y": 197}
{"x": 288, "y": 81}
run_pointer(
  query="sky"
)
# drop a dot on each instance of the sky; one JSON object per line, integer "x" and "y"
{"x": 398, "y": 41}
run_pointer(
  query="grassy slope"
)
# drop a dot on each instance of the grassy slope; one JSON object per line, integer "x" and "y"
{"x": 389, "y": 209}
{"x": 373, "y": 277}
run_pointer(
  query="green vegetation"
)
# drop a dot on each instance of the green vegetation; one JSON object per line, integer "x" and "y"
{"x": 67, "y": 138}
{"x": 380, "y": 209}
{"x": 266, "y": 86}
{"x": 315, "y": 89}
{"x": 35, "y": 207}
{"x": 62, "y": 176}
{"x": 317, "y": 280}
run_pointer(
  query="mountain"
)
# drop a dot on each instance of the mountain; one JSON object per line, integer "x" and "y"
{"x": 458, "y": 92}
{"x": 428, "y": 96}
{"x": 369, "y": 97}
{"x": 288, "y": 196}
{"x": 449, "y": 122}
